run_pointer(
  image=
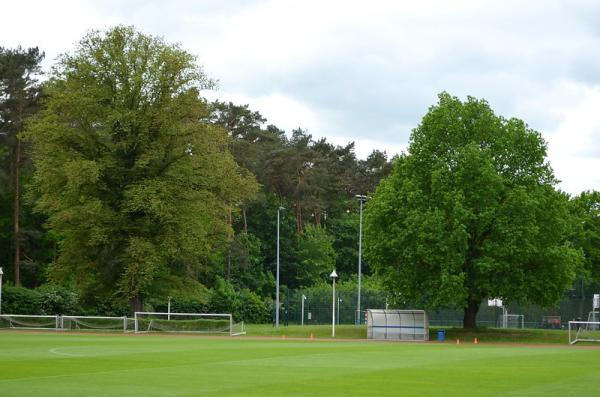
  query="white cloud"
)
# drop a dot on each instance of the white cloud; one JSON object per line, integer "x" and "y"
{"x": 368, "y": 71}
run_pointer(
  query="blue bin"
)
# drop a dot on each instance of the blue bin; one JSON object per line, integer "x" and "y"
{"x": 441, "y": 335}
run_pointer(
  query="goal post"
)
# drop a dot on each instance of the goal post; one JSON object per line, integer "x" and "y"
{"x": 29, "y": 321}
{"x": 203, "y": 323}
{"x": 511, "y": 320}
{"x": 584, "y": 331}
{"x": 94, "y": 323}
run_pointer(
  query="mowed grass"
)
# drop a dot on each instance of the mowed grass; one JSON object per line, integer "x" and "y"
{"x": 66, "y": 364}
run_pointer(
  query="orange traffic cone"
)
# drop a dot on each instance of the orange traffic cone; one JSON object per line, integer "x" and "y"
{"x": 476, "y": 341}
{"x": 283, "y": 336}
{"x": 457, "y": 341}
{"x": 312, "y": 336}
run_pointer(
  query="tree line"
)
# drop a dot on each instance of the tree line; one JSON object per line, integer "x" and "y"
{"x": 119, "y": 181}
{"x": 122, "y": 182}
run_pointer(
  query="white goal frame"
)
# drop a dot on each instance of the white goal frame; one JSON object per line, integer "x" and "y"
{"x": 519, "y": 317}
{"x": 576, "y": 326}
{"x": 8, "y": 318}
{"x": 91, "y": 328}
{"x": 170, "y": 315}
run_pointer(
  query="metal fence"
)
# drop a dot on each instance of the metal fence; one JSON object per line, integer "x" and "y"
{"x": 318, "y": 310}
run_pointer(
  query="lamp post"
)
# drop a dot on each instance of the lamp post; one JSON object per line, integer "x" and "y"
{"x": 1, "y": 273}
{"x": 277, "y": 285}
{"x": 361, "y": 199}
{"x": 169, "y": 309}
{"x": 333, "y": 276}
{"x": 303, "y": 299}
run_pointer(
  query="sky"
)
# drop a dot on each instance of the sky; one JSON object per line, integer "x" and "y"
{"x": 368, "y": 71}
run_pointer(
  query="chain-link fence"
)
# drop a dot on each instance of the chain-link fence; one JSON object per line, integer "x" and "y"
{"x": 318, "y": 310}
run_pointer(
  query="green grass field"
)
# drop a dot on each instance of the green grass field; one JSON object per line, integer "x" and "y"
{"x": 67, "y": 364}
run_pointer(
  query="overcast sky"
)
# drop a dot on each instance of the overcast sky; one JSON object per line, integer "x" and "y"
{"x": 367, "y": 71}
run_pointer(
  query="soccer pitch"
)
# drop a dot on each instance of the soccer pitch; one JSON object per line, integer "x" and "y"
{"x": 64, "y": 364}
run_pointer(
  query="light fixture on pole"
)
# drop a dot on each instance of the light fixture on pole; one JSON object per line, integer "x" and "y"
{"x": 277, "y": 285}
{"x": 333, "y": 276}
{"x": 361, "y": 199}
{"x": 303, "y": 299}
{"x": 1, "y": 273}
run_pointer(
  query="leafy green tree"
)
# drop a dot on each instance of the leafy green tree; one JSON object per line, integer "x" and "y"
{"x": 587, "y": 236}
{"x": 471, "y": 212}
{"x": 316, "y": 257}
{"x": 134, "y": 180}
{"x": 19, "y": 98}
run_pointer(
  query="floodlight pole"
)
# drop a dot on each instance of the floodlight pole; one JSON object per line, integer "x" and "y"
{"x": 333, "y": 276}
{"x": 1, "y": 273}
{"x": 303, "y": 299}
{"x": 277, "y": 285}
{"x": 339, "y": 303}
{"x": 361, "y": 199}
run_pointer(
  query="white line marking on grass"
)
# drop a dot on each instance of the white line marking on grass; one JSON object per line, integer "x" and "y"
{"x": 55, "y": 351}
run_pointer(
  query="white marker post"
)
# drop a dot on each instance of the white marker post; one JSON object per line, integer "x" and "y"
{"x": 333, "y": 276}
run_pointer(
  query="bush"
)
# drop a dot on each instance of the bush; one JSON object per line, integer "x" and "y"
{"x": 21, "y": 300}
{"x": 48, "y": 299}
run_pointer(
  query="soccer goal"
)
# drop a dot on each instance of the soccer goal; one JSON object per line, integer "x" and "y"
{"x": 26, "y": 321}
{"x": 204, "y": 323}
{"x": 584, "y": 331}
{"x": 511, "y": 320}
{"x": 94, "y": 323}
{"x": 402, "y": 325}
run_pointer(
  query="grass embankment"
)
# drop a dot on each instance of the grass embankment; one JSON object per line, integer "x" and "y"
{"x": 489, "y": 335}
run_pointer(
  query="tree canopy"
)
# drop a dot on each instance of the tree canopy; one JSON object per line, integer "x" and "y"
{"x": 132, "y": 176}
{"x": 471, "y": 212}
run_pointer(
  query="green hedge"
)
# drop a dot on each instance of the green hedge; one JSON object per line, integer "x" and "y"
{"x": 47, "y": 299}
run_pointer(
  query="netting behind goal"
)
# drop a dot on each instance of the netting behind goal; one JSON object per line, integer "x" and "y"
{"x": 96, "y": 323}
{"x": 584, "y": 331}
{"x": 511, "y": 321}
{"x": 204, "y": 323}
{"x": 24, "y": 321}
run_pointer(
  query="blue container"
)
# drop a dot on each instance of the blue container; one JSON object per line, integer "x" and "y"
{"x": 441, "y": 335}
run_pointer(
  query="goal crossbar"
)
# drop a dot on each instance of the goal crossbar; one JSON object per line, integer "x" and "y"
{"x": 94, "y": 322}
{"x": 20, "y": 321}
{"x": 159, "y": 323}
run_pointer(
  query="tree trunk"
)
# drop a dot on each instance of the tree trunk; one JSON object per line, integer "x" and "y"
{"x": 245, "y": 221}
{"x": 470, "y": 315}
{"x": 17, "y": 228}
{"x": 299, "y": 221}
{"x": 136, "y": 304}
{"x": 229, "y": 240}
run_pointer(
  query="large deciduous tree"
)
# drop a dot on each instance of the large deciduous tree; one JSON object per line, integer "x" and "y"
{"x": 19, "y": 98}
{"x": 132, "y": 176}
{"x": 471, "y": 212}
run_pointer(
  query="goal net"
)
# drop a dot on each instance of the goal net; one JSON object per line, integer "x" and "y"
{"x": 403, "y": 325}
{"x": 94, "y": 323}
{"x": 584, "y": 331}
{"x": 24, "y": 321}
{"x": 511, "y": 321}
{"x": 204, "y": 323}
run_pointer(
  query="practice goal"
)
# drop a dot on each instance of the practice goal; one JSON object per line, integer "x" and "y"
{"x": 584, "y": 331}
{"x": 94, "y": 323}
{"x": 402, "y": 325}
{"x": 26, "y": 321}
{"x": 205, "y": 323}
{"x": 511, "y": 321}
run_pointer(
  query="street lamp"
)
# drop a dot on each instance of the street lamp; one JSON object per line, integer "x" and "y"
{"x": 277, "y": 285}
{"x": 361, "y": 199}
{"x": 303, "y": 299}
{"x": 1, "y": 273}
{"x": 339, "y": 303}
{"x": 333, "y": 276}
